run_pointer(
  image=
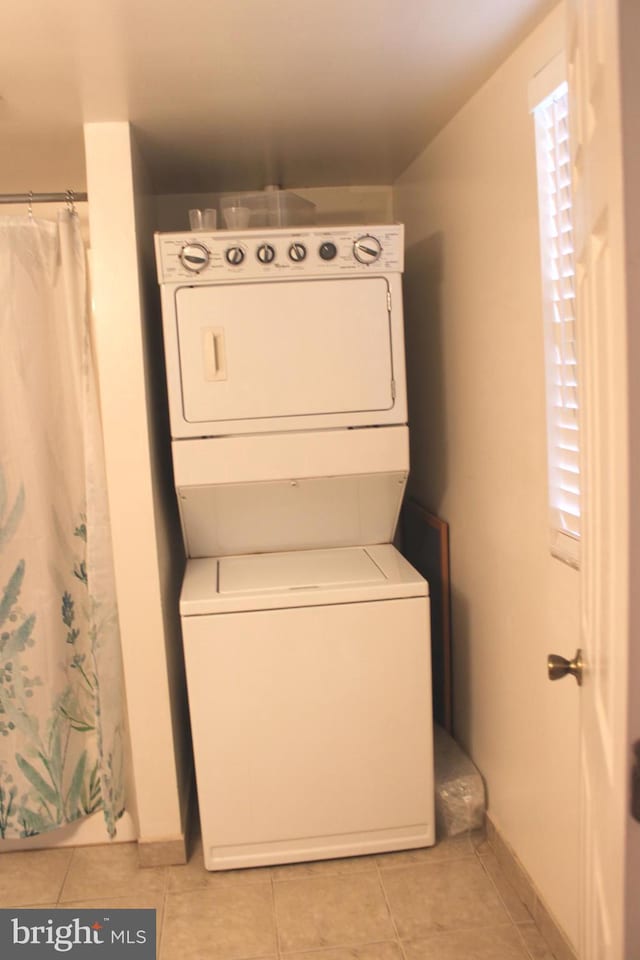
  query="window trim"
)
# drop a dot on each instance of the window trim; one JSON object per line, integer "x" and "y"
{"x": 545, "y": 87}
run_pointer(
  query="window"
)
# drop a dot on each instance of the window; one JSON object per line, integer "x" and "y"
{"x": 551, "y": 116}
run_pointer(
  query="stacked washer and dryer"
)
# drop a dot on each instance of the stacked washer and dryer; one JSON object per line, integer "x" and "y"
{"x": 306, "y": 634}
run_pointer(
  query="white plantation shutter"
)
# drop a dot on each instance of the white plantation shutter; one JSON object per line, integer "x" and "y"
{"x": 558, "y": 270}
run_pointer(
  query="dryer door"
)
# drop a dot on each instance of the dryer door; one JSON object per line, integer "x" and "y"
{"x": 296, "y": 351}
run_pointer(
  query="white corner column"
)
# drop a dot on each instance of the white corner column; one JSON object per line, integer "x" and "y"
{"x": 112, "y": 181}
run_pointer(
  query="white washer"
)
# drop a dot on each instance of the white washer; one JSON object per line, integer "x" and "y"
{"x": 306, "y": 634}
{"x": 310, "y": 695}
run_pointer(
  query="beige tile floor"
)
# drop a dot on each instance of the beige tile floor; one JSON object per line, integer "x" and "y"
{"x": 450, "y": 902}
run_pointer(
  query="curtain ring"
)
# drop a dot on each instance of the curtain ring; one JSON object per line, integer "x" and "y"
{"x": 70, "y": 198}
{"x": 30, "y": 210}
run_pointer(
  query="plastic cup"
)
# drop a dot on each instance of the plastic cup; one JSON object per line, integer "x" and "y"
{"x": 237, "y": 218}
{"x": 209, "y": 219}
{"x": 195, "y": 219}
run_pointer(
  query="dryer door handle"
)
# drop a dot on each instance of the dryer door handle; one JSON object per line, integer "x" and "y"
{"x": 213, "y": 353}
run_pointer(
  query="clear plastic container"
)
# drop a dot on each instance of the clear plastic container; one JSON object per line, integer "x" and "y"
{"x": 460, "y": 798}
{"x": 271, "y": 208}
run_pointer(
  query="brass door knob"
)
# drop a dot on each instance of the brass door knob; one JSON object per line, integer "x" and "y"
{"x": 558, "y": 667}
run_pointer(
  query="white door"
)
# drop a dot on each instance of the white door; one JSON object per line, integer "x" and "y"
{"x": 261, "y": 351}
{"x": 608, "y": 833}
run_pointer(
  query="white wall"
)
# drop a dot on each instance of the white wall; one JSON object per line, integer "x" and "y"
{"x": 477, "y": 410}
{"x": 334, "y": 205}
{"x": 147, "y": 548}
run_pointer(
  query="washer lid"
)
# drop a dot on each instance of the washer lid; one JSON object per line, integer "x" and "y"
{"x": 297, "y": 570}
{"x": 298, "y": 579}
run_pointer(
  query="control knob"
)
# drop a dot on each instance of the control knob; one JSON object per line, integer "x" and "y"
{"x": 367, "y": 249}
{"x": 266, "y": 253}
{"x": 297, "y": 252}
{"x": 328, "y": 250}
{"x": 234, "y": 256}
{"x": 194, "y": 257}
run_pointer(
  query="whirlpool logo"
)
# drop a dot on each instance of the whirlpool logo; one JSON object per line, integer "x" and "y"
{"x": 37, "y": 934}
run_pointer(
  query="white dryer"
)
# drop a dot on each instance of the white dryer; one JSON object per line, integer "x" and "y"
{"x": 306, "y": 634}
{"x": 282, "y": 331}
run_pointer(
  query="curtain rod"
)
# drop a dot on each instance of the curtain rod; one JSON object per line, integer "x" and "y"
{"x": 70, "y": 196}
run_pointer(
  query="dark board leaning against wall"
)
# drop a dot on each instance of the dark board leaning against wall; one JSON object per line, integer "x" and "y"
{"x": 425, "y": 544}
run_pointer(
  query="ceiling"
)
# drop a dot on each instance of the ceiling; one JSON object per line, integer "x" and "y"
{"x": 235, "y": 94}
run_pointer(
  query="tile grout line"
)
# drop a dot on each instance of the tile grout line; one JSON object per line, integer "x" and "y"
{"x": 159, "y": 934}
{"x": 393, "y": 919}
{"x": 59, "y": 903}
{"x": 330, "y": 948}
{"x": 409, "y": 865}
{"x": 275, "y": 915}
{"x": 495, "y": 887}
{"x": 526, "y": 948}
{"x": 320, "y": 873}
{"x": 506, "y": 909}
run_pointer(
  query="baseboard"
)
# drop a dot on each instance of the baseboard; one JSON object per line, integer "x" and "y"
{"x": 171, "y": 851}
{"x": 162, "y": 853}
{"x": 526, "y": 890}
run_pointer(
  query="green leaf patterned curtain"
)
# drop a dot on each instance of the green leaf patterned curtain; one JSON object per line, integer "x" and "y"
{"x": 61, "y": 701}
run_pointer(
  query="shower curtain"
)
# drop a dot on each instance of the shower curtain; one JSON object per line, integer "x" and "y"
{"x": 61, "y": 711}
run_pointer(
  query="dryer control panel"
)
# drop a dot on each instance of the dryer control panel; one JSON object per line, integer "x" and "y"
{"x": 220, "y": 256}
